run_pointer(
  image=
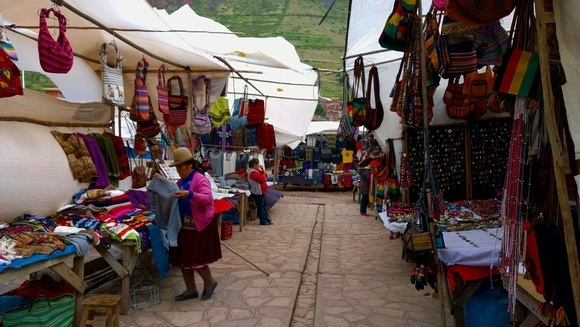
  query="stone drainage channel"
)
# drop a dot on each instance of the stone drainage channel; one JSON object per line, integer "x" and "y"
{"x": 305, "y": 305}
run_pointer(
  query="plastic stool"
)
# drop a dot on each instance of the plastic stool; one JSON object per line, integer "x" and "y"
{"x": 105, "y": 305}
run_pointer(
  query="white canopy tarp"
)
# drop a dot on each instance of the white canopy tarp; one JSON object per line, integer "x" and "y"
{"x": 34, "y": 174}
{"x": 271, "y": 65}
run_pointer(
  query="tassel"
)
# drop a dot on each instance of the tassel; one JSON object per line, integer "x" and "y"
{"x": 561, "y": 318}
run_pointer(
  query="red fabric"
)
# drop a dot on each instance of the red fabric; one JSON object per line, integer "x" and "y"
{"x": 468, "y": 273}
{"x": 266, "y": 137}
{"x": 221, "y": 205}
{"x": 256, "y": 112}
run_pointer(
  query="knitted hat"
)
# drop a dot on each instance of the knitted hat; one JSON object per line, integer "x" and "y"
{"x": 181, "y": 155}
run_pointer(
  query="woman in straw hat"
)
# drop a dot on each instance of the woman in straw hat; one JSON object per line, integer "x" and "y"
{"x": 198, "y": 240}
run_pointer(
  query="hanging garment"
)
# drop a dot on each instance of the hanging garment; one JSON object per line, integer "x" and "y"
{"x": 162, "y": 201}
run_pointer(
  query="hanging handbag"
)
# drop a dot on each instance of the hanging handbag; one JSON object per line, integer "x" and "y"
{"x": 479, "y": 12}
{"x": 55, "y": 56}
{"x": 374, "y": 115}
{"x": 162, "y": 91}
{"x": 478, "y": 85}
{"x": 140, "y": 107}
{"x": 43, "y": 311}
{"x": 398, "y": 28}
{"x": 456, "y": 103}
{"x": 138, "y": 174}
{"x": 177, "y": 104}
{"x": 454, "y": 28}
{"x": 112, "y": 77}
{"x": 519, "y": 72}
{"x": 358, "y": 104}
{"x": 462, "y": 56}
{"x": 434, "y": 42}
{"x": 149, "y": 127}
{"x": 5, "y": 42}
{"x": 490, "y": 44}
{"x": 201, "y": 123}
{"x": 10, "y": 82}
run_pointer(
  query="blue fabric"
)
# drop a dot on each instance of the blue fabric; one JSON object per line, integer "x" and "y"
{"x": 163, "y": 202}
{"x": 487, "y": 307}
{"x": 160, "y": 252}
{"x": 19, "y": 263}
{"x": 232, "y": 216}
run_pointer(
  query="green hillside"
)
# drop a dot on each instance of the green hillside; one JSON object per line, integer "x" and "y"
{"x": 320, "y": 46}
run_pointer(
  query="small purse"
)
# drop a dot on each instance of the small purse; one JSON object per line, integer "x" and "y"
{"x": 478, "y": 85}
{"x": 138, "y": 174}
{"x": 112, "y": 77}
{"x": 162, "y": 90}
{"x": 5, "y": 42}
{"x": 140, "y": 108}
{"x": 56, "y": 56}
{"x": 456, "y": 103}
{"x": 201, "y": 123}
{"x": 358, "y": 105}
{"x": 177, "y": 104}
{"x": 398, "y": 28}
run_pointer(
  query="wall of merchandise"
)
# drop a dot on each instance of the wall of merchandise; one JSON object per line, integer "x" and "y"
{"x": 469, "y": 160}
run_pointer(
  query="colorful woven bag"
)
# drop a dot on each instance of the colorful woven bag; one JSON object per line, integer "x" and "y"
{"x": 201, "y": 123}
{"x": 162, "y": 90}
{"x": 140, "y": 106}
{"x": 56, "y": 56}
{"x": 177, "y": 104}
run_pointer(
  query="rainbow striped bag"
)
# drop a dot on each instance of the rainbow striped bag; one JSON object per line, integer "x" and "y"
{"x": 43, "y": 312}
{"x": 521, "y": 73}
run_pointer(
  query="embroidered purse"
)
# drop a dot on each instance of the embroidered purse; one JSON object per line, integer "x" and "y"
{"x": 112, "y": 77}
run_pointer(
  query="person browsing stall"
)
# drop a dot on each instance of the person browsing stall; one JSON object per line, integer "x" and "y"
{"x": 259, "y": 189}
{"x": 365, "y": 184}
{"x": 198, "y": 242}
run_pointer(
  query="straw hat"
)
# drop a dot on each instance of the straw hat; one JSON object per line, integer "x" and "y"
{"x": 181, "y": 155}
{"x": 376, "y": 153}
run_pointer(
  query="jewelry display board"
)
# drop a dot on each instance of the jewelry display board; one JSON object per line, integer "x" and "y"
{"x": 489, "y": 148}
{"x": 447, "y": 148}
{"x": 469, "y": 160}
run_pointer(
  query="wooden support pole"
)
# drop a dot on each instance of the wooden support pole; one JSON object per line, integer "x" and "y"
{"x": 557, "y": 156}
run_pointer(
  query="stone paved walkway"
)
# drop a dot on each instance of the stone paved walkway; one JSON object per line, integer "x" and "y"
{"x": 328, "y": 267}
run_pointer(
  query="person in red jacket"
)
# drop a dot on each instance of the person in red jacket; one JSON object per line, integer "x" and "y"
{"x": 259, "y": 189}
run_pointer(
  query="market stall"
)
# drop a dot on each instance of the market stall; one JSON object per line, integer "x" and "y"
{"x": 473, "y": 150}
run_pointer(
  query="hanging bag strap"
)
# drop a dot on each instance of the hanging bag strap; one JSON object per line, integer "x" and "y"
{"x": 359, "y": 76}
{"x": 161, "y": 76}
{"x": 179, "y": 82}
{"x": 374, "y": 85}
